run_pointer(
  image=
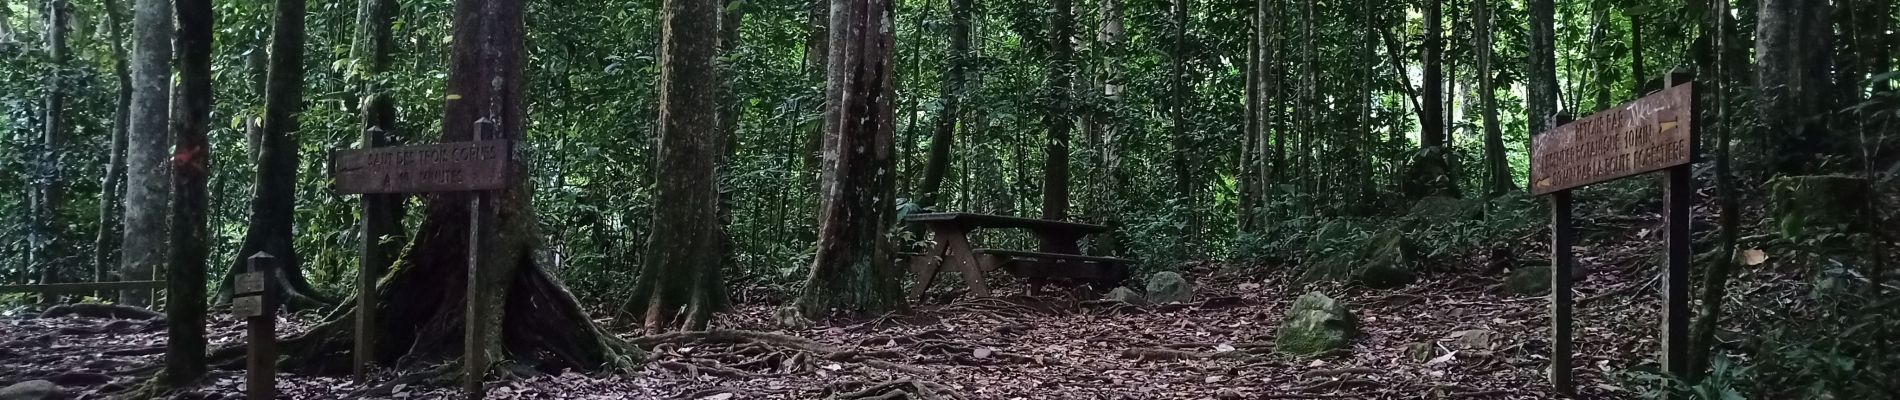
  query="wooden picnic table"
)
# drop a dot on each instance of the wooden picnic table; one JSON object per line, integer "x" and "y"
{"x": 1058, "y": 240}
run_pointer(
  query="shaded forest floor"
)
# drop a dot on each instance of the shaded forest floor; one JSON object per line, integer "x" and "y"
{"x": 1481, "y": 345}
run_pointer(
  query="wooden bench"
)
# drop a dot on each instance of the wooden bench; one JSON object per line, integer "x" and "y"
{"x": 1059, "y": 258}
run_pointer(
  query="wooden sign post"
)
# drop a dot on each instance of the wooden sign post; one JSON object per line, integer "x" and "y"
{"x": 475, "y": 167}
{"x": 255, "y": 300}
{"x": 1654, "y": 133}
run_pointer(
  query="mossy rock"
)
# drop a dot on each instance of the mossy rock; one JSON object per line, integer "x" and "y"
{"x": 1807, "y": 207}
{"x": 1316, "y": 325}
{"x": 1381, "y": 261}
{"x": 1123, "y": 294}
{"x": 1334, "y": 237}
{"x": 1528, "y": 281}
{"x": 1429, "y": 174}
{"x": 1169, "y": 287}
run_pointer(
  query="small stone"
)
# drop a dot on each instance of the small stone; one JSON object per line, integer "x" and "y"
{"x": 32, "y": 390}
{"x": 1169, "y": 287}
{"x": 1123, "y": 294}
{"x": 1316, "y": 325}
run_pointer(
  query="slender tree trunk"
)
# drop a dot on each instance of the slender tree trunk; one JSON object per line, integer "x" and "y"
{"x": 185, "y": 360}
{"x": 147, "y": 180}
{"x": 1250, "y": 136}
{"x": 112, "y": 186}
{"x": 1055, "y": 178}
{"x": 274, "y": 196}
{"x": 955, "y": 72}
{"x": 1108, "y": 168}
{"x": 820, "y": 57}
{"x": 1600, "y": 56}
{"x": 1541, "y": 92}
{"x": 1496, "y": 166}
{"x": 1639, "y": 68}
{"x": 850, "y": 273}
{"x": 684, "y": 239}
{"x": 1715, "y": 282}
{"x": 372, "y": 51}
{"x": 6, "y": 22}
{"x": 1432, "y": 118}
{"x": 713, "y": 297}
{"x": 1179, "y": 103}
{"x": 45, "y": 195}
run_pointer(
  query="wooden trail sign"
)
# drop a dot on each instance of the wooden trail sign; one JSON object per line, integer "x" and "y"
{"x": 256, "y": 302}
{"x": 479, "y": 167}
{"x": 1647, "y": 135}
{"x": 441, "y": 167}
{"x": 1654, "y": 133}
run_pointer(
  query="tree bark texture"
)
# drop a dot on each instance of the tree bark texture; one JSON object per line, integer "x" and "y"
{"x": 850, "y": 272}
{"x": 1250, "y": 136}
{"x": 185, "y": 304}
{"x": 1541, "y": 92}
{"x": 534, "y": 320}
{"x": 274, "y": 193}
{"x": 1794, "y": 78}
{"x": 683, "y": 244}
{"x": 147, "y": 180}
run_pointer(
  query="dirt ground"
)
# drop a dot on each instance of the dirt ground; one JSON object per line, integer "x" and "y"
{"x": 1481, "y": 344}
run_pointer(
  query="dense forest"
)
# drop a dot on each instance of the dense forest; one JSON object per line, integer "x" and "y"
{"x": 716, "y": 199}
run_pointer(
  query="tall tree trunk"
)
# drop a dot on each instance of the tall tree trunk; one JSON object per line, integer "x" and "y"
{"x": 1541, "y": 92}
{"x": 850, "y": 272}
{"x": 112, "y": 186}
{"x": 1600, "y": 56}
{"x": 684, "y": 239}
{"x": 731, "y": 109}
{"x": 1715, "y": 282}
{"x": 819, "y": 58}
{"x": 1794, "y": 78}
{"x": 6, "y": 22}
{"x": 1179, "y": 106}
{"x": 1107, "y": 125}
{"x": 45, "y": 196}
{"x": 1431, "y": 119}
{"x": 1639, "y": 68}
{"x": 147, "y": 183}
{"x": 421, "y": 305}
{"x": 1061, "y": 86}
{"x": 1250, "y": 135}
{"x": 191, "y": 171}
{"x": 274, "y": 194}
{"x": 1496, "y": 166}
{"x": 955, "y": 71}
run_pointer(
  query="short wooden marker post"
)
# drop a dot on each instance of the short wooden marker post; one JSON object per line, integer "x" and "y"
{"x": 1654, "y": 133}
{"x": 254, "y": 299}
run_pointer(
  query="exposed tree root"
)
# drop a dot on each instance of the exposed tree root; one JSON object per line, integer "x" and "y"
{"x": 903, "y": 389}
{"x": 1331, "y": 373}
{"x": 442, "y": 373}
{"x": 736, "y": 354}
{"x": 1336, "y": 384}
{"x": 1252, "y": 352}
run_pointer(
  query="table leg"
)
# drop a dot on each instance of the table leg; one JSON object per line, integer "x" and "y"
{"x": 924, "y": 268}
{"x": 957, "y": 244}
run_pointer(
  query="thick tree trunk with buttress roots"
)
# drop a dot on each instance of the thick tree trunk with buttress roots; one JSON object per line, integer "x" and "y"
{"x": 850, "y": 271}
{"x": 421, "y": 304}
{"x": 682, "y": 258}
{"x": 273, "y": 197}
